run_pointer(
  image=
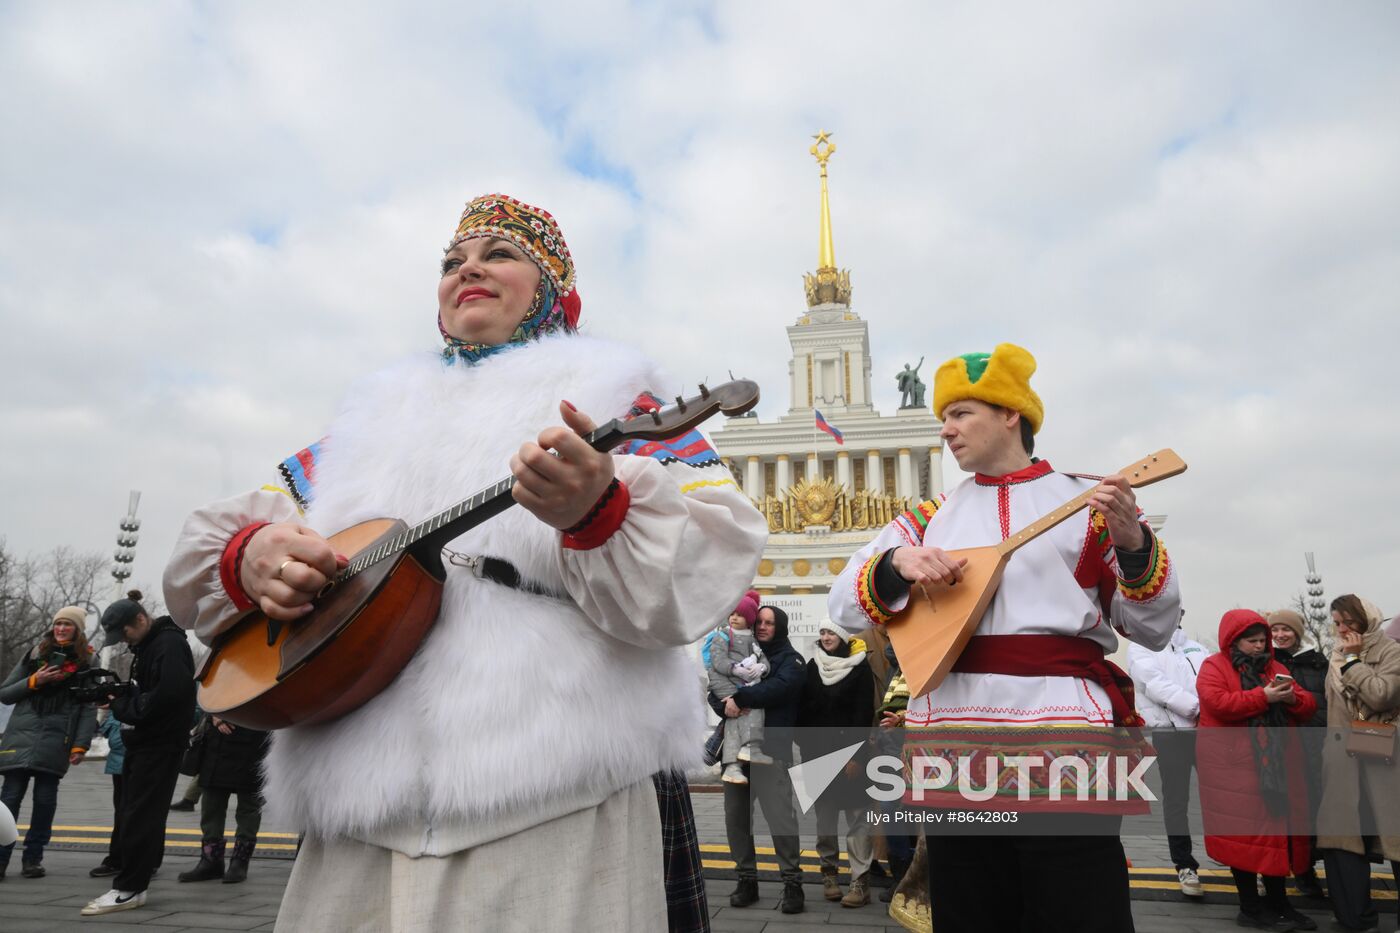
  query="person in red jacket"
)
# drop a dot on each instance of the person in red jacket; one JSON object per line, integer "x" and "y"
{"x": 1254, "y": 795}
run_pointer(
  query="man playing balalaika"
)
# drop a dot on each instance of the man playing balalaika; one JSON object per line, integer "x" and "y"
{"x": 1038, "y": 656}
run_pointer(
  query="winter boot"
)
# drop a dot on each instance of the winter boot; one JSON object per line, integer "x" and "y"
{"x": 831, "y": 887}
{"x": 793, "y": 901}
{"x": 898, "y": 867}
{"x": 31, "y": 870}
{"x": 238, "y": 862}
{"x": 745, "y": 893}
{"x": 859, "y": 895}
{"x": 211, "y": 863}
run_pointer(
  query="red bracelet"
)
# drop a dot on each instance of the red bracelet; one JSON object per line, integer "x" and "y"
{"x": 231, "y": 562}
{"x": 602, "y": 520}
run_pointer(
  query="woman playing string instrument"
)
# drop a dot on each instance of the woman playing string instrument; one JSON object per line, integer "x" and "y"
{"x": 522, "y": 738}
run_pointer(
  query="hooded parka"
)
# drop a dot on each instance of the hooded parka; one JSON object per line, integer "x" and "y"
{"x": 1241, "y": 831}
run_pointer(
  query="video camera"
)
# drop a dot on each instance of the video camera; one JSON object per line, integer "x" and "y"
{"x": 96, "y": 685}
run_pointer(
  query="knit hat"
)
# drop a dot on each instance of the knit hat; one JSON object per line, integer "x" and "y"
{"x": 830, "y": 626}
{"x": 75, "y": 614}
{"x": 748, "y": 608}
{"x": 535, "y": 231}
{"x": 1002, "y": 377}
{"x": 1289, "y": 618}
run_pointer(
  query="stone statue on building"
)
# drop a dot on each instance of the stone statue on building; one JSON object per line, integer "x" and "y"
{"x": 911, "y": 388}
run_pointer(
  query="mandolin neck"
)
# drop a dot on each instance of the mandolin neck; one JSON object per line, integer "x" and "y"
{"x": 1159, "y": 466}
{"x": 425, "y": 540}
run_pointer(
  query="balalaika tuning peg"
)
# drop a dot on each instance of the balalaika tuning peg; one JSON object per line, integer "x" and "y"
{"x": 704, "y": 392}
{"x": 680, "y": 403}
{"x": 655, "y": 416}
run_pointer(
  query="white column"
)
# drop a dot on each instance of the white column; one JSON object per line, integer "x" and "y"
{"x": 874, "y": 471}
{"x": 935, "y": 471}
{"x": 784, "y": 474}
{"x": 814, "y": 467}
{"x": 753, "y": 478}
{"x": 843, "y": 469}
{"x": 904, "y": 483}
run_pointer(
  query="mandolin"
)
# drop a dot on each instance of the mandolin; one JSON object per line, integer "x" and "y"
{"x": 933, "y": 629}
{"x": 369, "y": 620}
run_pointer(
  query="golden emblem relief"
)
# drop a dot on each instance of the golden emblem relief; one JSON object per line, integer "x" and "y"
{"x": 823, "y": 503}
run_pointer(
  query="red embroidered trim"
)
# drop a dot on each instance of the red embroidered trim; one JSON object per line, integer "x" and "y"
{"x": 602, "y": 520}
{"x": 1004, "y": 510}
{"x": 230, "y": 563}
{"x": 866, "y": 597}
{"x": 1024, "y": 475}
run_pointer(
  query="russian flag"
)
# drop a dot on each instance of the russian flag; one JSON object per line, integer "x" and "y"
{"x": 822, "y": 425}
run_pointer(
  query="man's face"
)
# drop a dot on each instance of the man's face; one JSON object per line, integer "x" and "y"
{"x": 978, "y": 434}
{"x": 765, "y": 627}
{"x": 134, "y": 631}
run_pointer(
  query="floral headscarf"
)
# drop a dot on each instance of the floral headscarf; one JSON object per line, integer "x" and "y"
{"x": 556, "y": 305}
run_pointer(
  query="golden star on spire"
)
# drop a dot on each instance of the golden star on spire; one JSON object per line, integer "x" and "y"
{"x": 822, "y": 137}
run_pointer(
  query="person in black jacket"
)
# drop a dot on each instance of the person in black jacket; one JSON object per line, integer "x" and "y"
{"x": 1309, "y": 668}
{"x": 230, "y": 763}
{"x": 155, "y": 713}
{"x": 838, "y": 707}
{"x": 779, "y": 695}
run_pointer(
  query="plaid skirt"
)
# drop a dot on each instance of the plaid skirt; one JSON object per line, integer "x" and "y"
{"x": 686, "y": 908}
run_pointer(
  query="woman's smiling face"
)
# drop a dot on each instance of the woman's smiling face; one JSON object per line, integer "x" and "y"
{"x": 488, "y": 287}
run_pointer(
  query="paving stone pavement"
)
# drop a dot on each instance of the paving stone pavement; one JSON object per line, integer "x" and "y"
{"x": 52, "y": 903}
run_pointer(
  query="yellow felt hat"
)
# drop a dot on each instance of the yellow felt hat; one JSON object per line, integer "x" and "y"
{"x": 1002, "y": 377}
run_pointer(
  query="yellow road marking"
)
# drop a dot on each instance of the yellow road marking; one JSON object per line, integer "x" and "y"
{"x": 173, "y": 843}
{"x": 169, "y": 830}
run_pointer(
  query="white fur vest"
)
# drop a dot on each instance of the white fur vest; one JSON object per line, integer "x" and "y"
{"x": 517, "y": 708}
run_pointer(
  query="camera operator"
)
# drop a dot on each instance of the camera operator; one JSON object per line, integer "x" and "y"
{"x": 155, "y": 710}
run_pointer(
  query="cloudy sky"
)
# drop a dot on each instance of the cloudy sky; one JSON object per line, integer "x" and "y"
{"x": 213, "y": 216}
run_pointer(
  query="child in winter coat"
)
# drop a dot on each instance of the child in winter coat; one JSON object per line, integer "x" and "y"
{"x": 735, "y": 660}
{"x": 111, "y": 730}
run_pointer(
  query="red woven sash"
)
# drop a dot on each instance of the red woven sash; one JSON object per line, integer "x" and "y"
{"x": 1052, "y": 656}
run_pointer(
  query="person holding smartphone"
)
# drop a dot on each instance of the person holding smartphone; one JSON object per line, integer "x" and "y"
{"x": 1254, "y": 800}
{"x": 48, "y": 732}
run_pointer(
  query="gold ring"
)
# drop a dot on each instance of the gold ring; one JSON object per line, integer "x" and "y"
{"x": 283, "y": 566}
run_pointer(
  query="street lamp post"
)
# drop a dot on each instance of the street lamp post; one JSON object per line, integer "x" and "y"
{"x": 1317, "y": 606}
{"x": 126, "y": 544}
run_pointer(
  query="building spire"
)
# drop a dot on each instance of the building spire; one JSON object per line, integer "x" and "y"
{"x": 829, "y": 286}
{"x": 826, "y": 253}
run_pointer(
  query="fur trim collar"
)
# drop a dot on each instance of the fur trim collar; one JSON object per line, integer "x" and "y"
{"x": 513, "y": 700}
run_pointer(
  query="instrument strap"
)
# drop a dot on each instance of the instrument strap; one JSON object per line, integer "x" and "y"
{"x": 500, "y": 571}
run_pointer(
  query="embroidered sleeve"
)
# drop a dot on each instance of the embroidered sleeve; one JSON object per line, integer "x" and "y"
{"x": 858, "y": 599}
{"x": 298, "y": 474}
{"x": 195, "y": 577}
{"x": 602, "y": 520}
{"x": 231, "y": 563}
{"x": 1148, "y": 584}
{"x": 913, "y": 523}
{"x": 868, "y": 594}
{"x": 682, "y": 550}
